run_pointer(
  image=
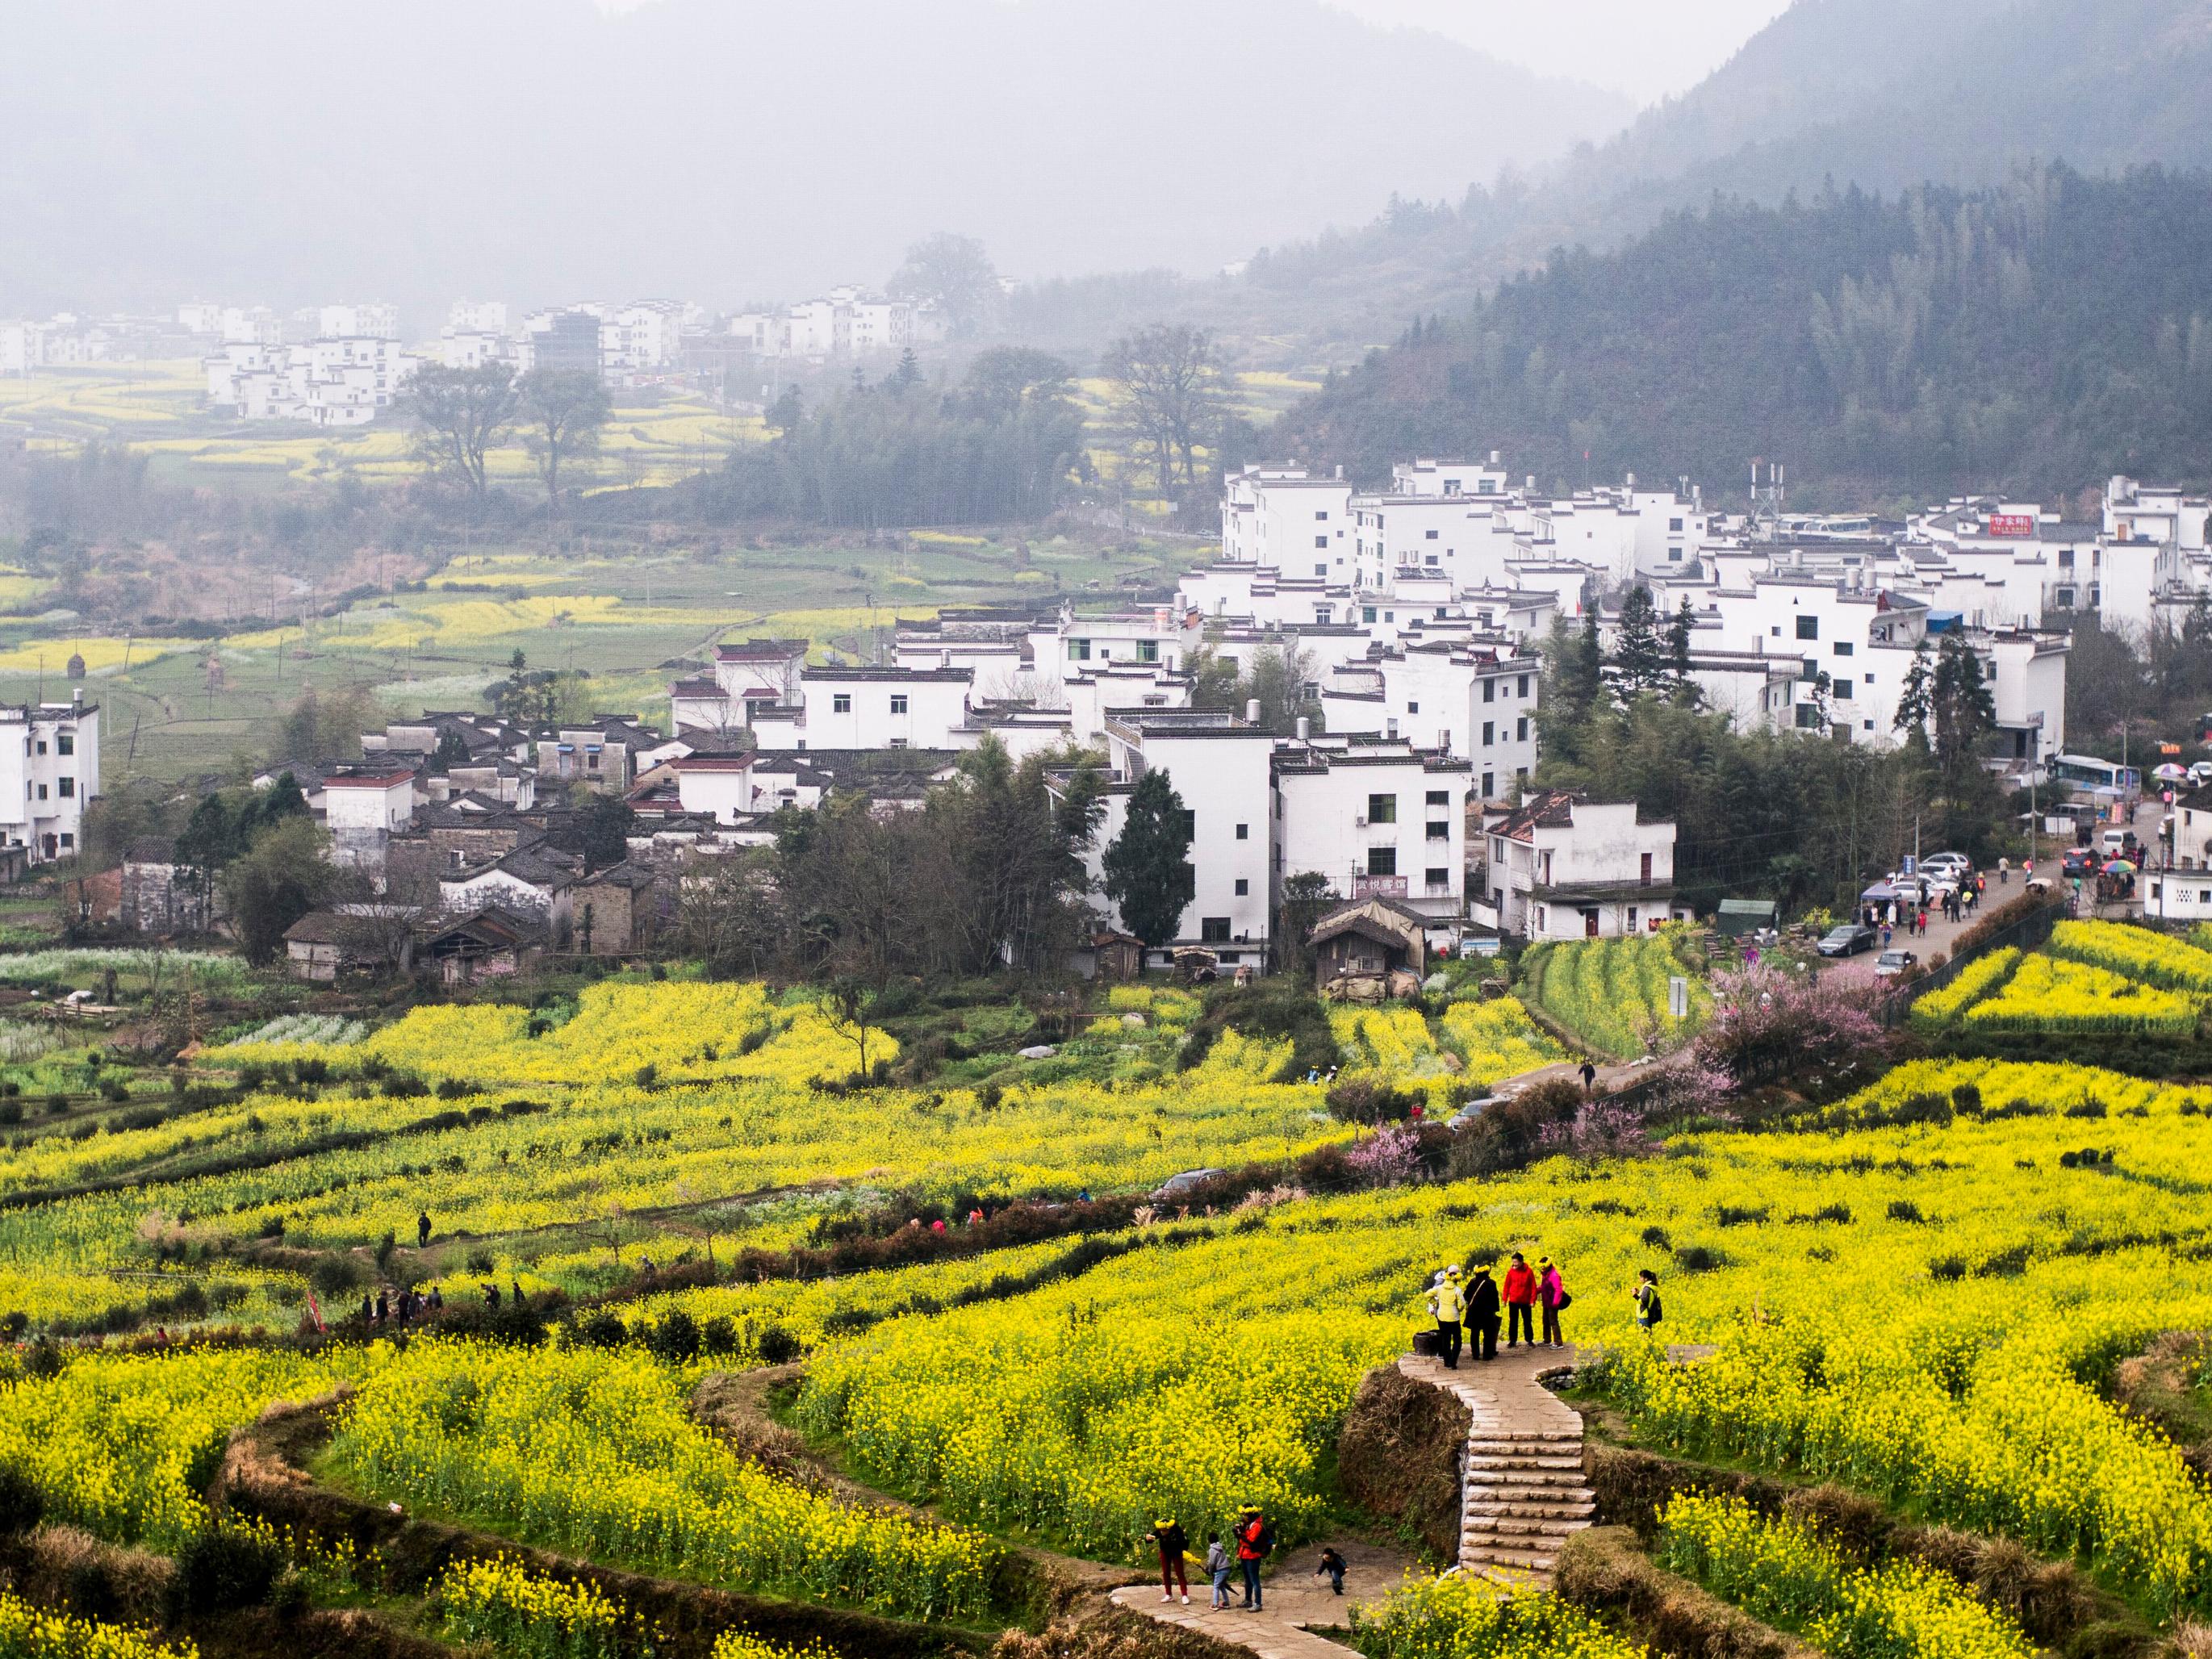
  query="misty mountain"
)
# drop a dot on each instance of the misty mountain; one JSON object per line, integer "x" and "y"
{"x": 1885, "y": 95}
{"x": 2038, "y": 336}
{"x": 717, "y": 149}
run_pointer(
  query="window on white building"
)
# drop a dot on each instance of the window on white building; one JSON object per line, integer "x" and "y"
{"x": 1489, "y": 732}
{"x": 1438, "y": 880}
{"x": 1809, "y": 628}
{"x": 1213, "y": 930}
{"x": 842, "y": 704}
{"x": 1382, "y": 860}
{"x": 1243, "y": 832}
{"x": 1382, "y": 809}
{"x": 1243, "y": 887}
{"x": 898, "y": 703}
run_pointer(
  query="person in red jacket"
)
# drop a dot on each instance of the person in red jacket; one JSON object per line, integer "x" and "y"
{"x": 1254, "y": 1538}
{"x": 1520, "y": 1303}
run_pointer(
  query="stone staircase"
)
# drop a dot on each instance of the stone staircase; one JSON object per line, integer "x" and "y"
{"x": 1523, "y": 1493}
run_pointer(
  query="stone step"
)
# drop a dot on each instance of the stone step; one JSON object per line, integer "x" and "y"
{"x": 1533, "y": 1561}
{"x": 1478, "y": 1437}
{"x": 1523, "y": 1478}
{"x": 1567, "y": 1508}
{"x": 1545, "y": 1446}
{"x": 1523, "y": 1461}
{"x": 1505, "y": 1523}
{"x": 1511, "y": 1530}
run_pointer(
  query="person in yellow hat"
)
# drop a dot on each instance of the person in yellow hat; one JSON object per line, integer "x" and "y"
{"x": 1448, "y": 1301}
{"x": 1168, "y": 1536}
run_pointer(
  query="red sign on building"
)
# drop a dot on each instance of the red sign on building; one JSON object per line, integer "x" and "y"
{"x": 2017, "y": 525}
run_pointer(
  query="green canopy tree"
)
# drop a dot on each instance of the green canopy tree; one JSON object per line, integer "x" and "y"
{"x": 284, "y": 874}
{"x": 1147, "y": 867}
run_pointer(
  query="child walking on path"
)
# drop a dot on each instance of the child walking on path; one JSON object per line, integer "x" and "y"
{"x": 1218, "y": 1568}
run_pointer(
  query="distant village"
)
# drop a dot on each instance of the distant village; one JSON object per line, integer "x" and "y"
{"x": 344, "y": 365}
{"x": 1412, "y": 617}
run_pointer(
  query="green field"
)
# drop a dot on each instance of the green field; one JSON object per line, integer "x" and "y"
{"x": 1611, "y": 993}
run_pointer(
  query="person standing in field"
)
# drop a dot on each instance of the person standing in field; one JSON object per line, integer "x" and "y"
{"x": 1520, "y": 1303}
{"x": 1551, "y": 1296}
{"x": 1589, "y": 1078}
{"x": 422, "y": 1230}
{"x": 1448, "y": 1301}
{"x": 1482, "y": 1315}
{"x": 1168, "y": 1536}
{"x": 1647, "y": 1310}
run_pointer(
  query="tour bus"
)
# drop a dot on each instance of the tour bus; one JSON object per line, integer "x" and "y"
{"x": 2101, "y": 780}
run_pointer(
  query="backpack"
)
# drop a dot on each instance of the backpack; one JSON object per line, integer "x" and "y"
{"x": 1265, "y": 1543}
{"x": 1566, "y": 1300}
{"x": 1652, "y": 1311}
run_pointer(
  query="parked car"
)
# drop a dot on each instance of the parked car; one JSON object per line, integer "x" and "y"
{"x": 2078, "y": 861}
{"x": 1175, "y": 1185}
{"x": 1848, "y": 939}
{"x": 1955, "y": 864}
{"x": 1890, "y": 963}
{"x": 2201, "y": 773}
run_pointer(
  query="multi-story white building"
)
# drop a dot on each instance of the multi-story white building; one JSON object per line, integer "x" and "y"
{"x": 1220, "y": 767}
{"x": 379, "y": 321}
{"x": 847, "y": 322}
{"x": 1560, "y": 866}
{"x": 337, "y": 380}
{"x": 1286, "y": 519}
{"x": 49, "y": 769}
{"x": 853, "y": 708}
{"x": 1380, "y": 819}
{"x": 1475, "y": 700}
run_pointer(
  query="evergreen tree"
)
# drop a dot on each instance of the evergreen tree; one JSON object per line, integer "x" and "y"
{"x": 1640, "y": 655}
{"x": 1946, "y": 713}
{"x": 452, "y": 750}
{"x": 1147, "y": 867}
{"x": 1679, "y": 634}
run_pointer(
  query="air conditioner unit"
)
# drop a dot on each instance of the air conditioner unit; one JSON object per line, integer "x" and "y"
{"x": 1359, "y": 824}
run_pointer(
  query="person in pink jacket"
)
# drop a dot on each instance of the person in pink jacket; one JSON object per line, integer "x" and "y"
{"x": 1552, "y": 1294}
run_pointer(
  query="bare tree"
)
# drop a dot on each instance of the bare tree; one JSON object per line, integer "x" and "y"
{"x": 1171, "y": 386}
{"x": 954, "y": 273}
{"x": 460, "y": 415}
{"x": 563, "y": 412}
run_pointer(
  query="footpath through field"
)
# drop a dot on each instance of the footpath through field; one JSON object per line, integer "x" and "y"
{"x": 1521, "y": 1495}
{"x": 1296, "y": 1603}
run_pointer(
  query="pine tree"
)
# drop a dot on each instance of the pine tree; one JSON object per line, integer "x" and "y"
{"x": 1640, "y": 656}
{"x": 1147, "y": 868}
{"x": 1679, "y": 634}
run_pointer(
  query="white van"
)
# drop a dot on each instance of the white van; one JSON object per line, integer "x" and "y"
{"x": 2113, "y": 838}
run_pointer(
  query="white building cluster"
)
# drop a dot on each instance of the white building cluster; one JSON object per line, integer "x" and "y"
{"x": 846, "y": 322}
{"x": 333, "y": 366}
{"x": 1800, "y": 623}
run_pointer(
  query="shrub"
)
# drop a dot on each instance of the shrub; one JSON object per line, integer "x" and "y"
{"x": 778, "y": 1347}
{"x": 225, "y": 1568}
{"x": 22, "y": 1505}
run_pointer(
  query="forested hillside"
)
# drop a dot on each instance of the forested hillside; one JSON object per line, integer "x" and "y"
{"x": 2039, "y": 335}
{"x": 1885, "y": 95}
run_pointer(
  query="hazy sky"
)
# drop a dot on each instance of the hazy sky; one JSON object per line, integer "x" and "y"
{"x": 1645, "y": 48}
